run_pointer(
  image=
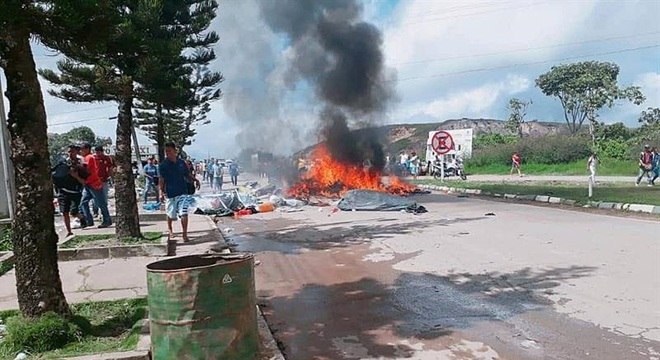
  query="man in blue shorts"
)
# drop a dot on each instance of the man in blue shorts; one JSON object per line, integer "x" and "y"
{"x": 174, "y": 177}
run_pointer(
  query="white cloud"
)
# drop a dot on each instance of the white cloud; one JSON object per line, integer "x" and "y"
{"x": 475, "y": 102}
{"x": 650, "y": 84}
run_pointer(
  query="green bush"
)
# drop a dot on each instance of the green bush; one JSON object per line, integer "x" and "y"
{"x": 5, "y": 238}
{"x": 613, "y": 149}
{"x": 554, "y": 149}
{"x": 487, "y": 140}
{"x": 48, "y": 332}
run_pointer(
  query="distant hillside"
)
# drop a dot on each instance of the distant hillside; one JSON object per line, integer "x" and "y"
{"x": 413, "y": 136}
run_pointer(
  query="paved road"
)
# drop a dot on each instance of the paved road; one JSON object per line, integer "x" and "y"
{"x": 525, "y": 283}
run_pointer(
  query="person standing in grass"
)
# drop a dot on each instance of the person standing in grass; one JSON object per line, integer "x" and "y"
{"x": 516, "y": 161}
{"x": 655, "y": 163}
{"x": 592, "y": 165}
{"x": 645, "y": 166}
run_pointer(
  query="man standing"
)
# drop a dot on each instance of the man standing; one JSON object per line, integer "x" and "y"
{"x": 233, "y": 172}
{"x": 106, "y": 166}
{"x": 68, "y": 178}
{"x": 209, "y": 171}
{"x": 218, "y": 173}
{"x": 656, "y": 164}
{"x": 93, "y": 190}
{"x": 151, "y": 176}
{"x": 645, "y": 166}
{"x": 516, "y": 162}
{"x": 174, "y": 175}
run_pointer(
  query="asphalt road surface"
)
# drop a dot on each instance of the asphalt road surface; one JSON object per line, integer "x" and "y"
{"x": 470, "y": 279}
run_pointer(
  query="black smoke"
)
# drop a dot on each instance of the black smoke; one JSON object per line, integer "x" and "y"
{"x": 340, "y": 55}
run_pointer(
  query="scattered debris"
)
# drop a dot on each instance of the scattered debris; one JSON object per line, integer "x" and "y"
{"x": 370, "y": 200}
{"x": 489, "y": 214}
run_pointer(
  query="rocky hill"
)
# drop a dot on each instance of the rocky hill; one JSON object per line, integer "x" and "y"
{"x": 413, "y": 136}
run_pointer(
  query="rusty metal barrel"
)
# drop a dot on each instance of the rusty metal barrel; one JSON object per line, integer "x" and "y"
{"x": 203, "y": 307}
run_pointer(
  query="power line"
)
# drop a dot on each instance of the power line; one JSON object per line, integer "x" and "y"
{"x": 81, "y": 110}
{"x": 78, "y": 121}
{"x": 526, "y": 49}
{"x": 525, "y": 64}
{"x": 472, "y": 14}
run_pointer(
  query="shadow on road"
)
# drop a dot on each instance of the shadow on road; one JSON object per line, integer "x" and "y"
{"x": 292, "y": 239}
{"x": 359, "y": 319}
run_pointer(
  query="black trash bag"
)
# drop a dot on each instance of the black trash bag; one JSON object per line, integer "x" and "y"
{"x": 369, "y": 200}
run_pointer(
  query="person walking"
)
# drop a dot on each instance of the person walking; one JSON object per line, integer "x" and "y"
{"x": 93, "y": 190}
{"x": 209, "y": 172}
{"x": 233, "y": 172}
{"x": 174, "y": 176}
{"x": 218, "y": 173}
{"x": 69, "y": 178}
{"x": 151, "y": 179}
{"x": 106, "y": 169}
{"x": 655, "y": 164}
{"x": 516, "y": 161}
{"x": 592, "y": 165}
{"x": 645, "y": 166}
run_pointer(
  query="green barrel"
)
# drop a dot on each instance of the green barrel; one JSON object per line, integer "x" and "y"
{"x": 203, "y": 307}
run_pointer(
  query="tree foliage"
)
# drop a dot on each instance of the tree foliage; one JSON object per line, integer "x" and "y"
{"x": 517, "y": 112}
{"x": 58, "y": 143}
{"x": 650, "y": 118}
{"x": 584, "y": 88}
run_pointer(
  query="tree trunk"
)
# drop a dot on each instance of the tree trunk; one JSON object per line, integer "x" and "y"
{"x": 160, "y": 133}
{"x": 127, "y": 220}
{"x": 38, "y": 283}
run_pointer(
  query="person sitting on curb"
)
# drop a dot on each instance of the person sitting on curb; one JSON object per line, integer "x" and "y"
{"x": 174, "y": 175}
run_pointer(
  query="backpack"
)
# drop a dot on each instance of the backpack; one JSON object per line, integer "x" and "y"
{"x": 62, "y": 179}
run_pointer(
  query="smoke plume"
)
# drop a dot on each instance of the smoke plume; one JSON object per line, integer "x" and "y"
{"x": 340, "y": 56}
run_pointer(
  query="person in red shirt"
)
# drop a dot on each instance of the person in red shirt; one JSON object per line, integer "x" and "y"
{"x": 93, "y": 189}
{"x": 106, "y": 166}
{"x": 516, "y": 160}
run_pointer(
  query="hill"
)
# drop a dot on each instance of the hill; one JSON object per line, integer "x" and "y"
{"x": 413, "y": 136}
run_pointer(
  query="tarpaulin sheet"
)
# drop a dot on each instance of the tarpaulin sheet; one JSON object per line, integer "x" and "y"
{"x": 369, "y": 200}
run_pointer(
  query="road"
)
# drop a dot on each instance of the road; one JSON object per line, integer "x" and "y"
{"x": 544, "y": 178}
{"x": 526, "y": 282}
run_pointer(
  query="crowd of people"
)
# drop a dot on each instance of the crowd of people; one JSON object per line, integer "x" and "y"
{"x": 84, "y": 177}
{"x": 649, "y": 165}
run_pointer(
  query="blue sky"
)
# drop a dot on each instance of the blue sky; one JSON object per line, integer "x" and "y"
{"x": 436, "y": 48}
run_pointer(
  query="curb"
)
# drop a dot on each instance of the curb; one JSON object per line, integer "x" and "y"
{"x": 127, "y": 355}
{"x": 649, "y": 209}
{"x": 122, "y": 251}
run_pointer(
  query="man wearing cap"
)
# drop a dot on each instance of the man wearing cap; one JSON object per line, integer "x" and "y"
{"x": 93, "y": 190}
{"x": 645, "y": 165}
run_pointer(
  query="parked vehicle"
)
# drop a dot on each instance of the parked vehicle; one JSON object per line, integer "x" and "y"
{"x": 454, "y": 168}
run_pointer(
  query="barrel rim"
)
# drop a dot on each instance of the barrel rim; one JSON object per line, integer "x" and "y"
{"x": 218, "y": 262}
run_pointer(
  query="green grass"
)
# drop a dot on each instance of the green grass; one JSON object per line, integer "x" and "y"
{"x": 89, "y": 240}
{"x": 5, "y": 238}
{"x": 608, "y": 167}
{"x": 620, "y": 193}
{"x": 109, "y": 326}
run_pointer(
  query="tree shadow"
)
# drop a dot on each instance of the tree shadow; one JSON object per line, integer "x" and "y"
{"x": 293, "y": 239}
{"x": 351, "y": 319}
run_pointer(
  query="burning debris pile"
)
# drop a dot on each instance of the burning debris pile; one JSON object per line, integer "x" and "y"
{"x": 331, "y": 178}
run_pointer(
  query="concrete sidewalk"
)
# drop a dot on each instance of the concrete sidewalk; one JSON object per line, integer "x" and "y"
{"x": 541, "y": 178}
{"x": 112, "y": 279}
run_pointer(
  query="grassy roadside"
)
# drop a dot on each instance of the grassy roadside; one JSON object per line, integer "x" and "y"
{"x": 92, "y": 240}
{"x": 620, "y": 193}
{"x": 608, "y": 167}
{"x": 106, "y": 326}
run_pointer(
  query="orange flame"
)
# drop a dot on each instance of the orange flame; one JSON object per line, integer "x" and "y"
{"x": 330, "y": 178}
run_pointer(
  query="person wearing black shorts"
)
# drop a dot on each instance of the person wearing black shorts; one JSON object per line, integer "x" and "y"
{"x": 68, "y": 178}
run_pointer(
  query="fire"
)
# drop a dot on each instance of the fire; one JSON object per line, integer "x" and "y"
{"x": 331, "y": 178}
